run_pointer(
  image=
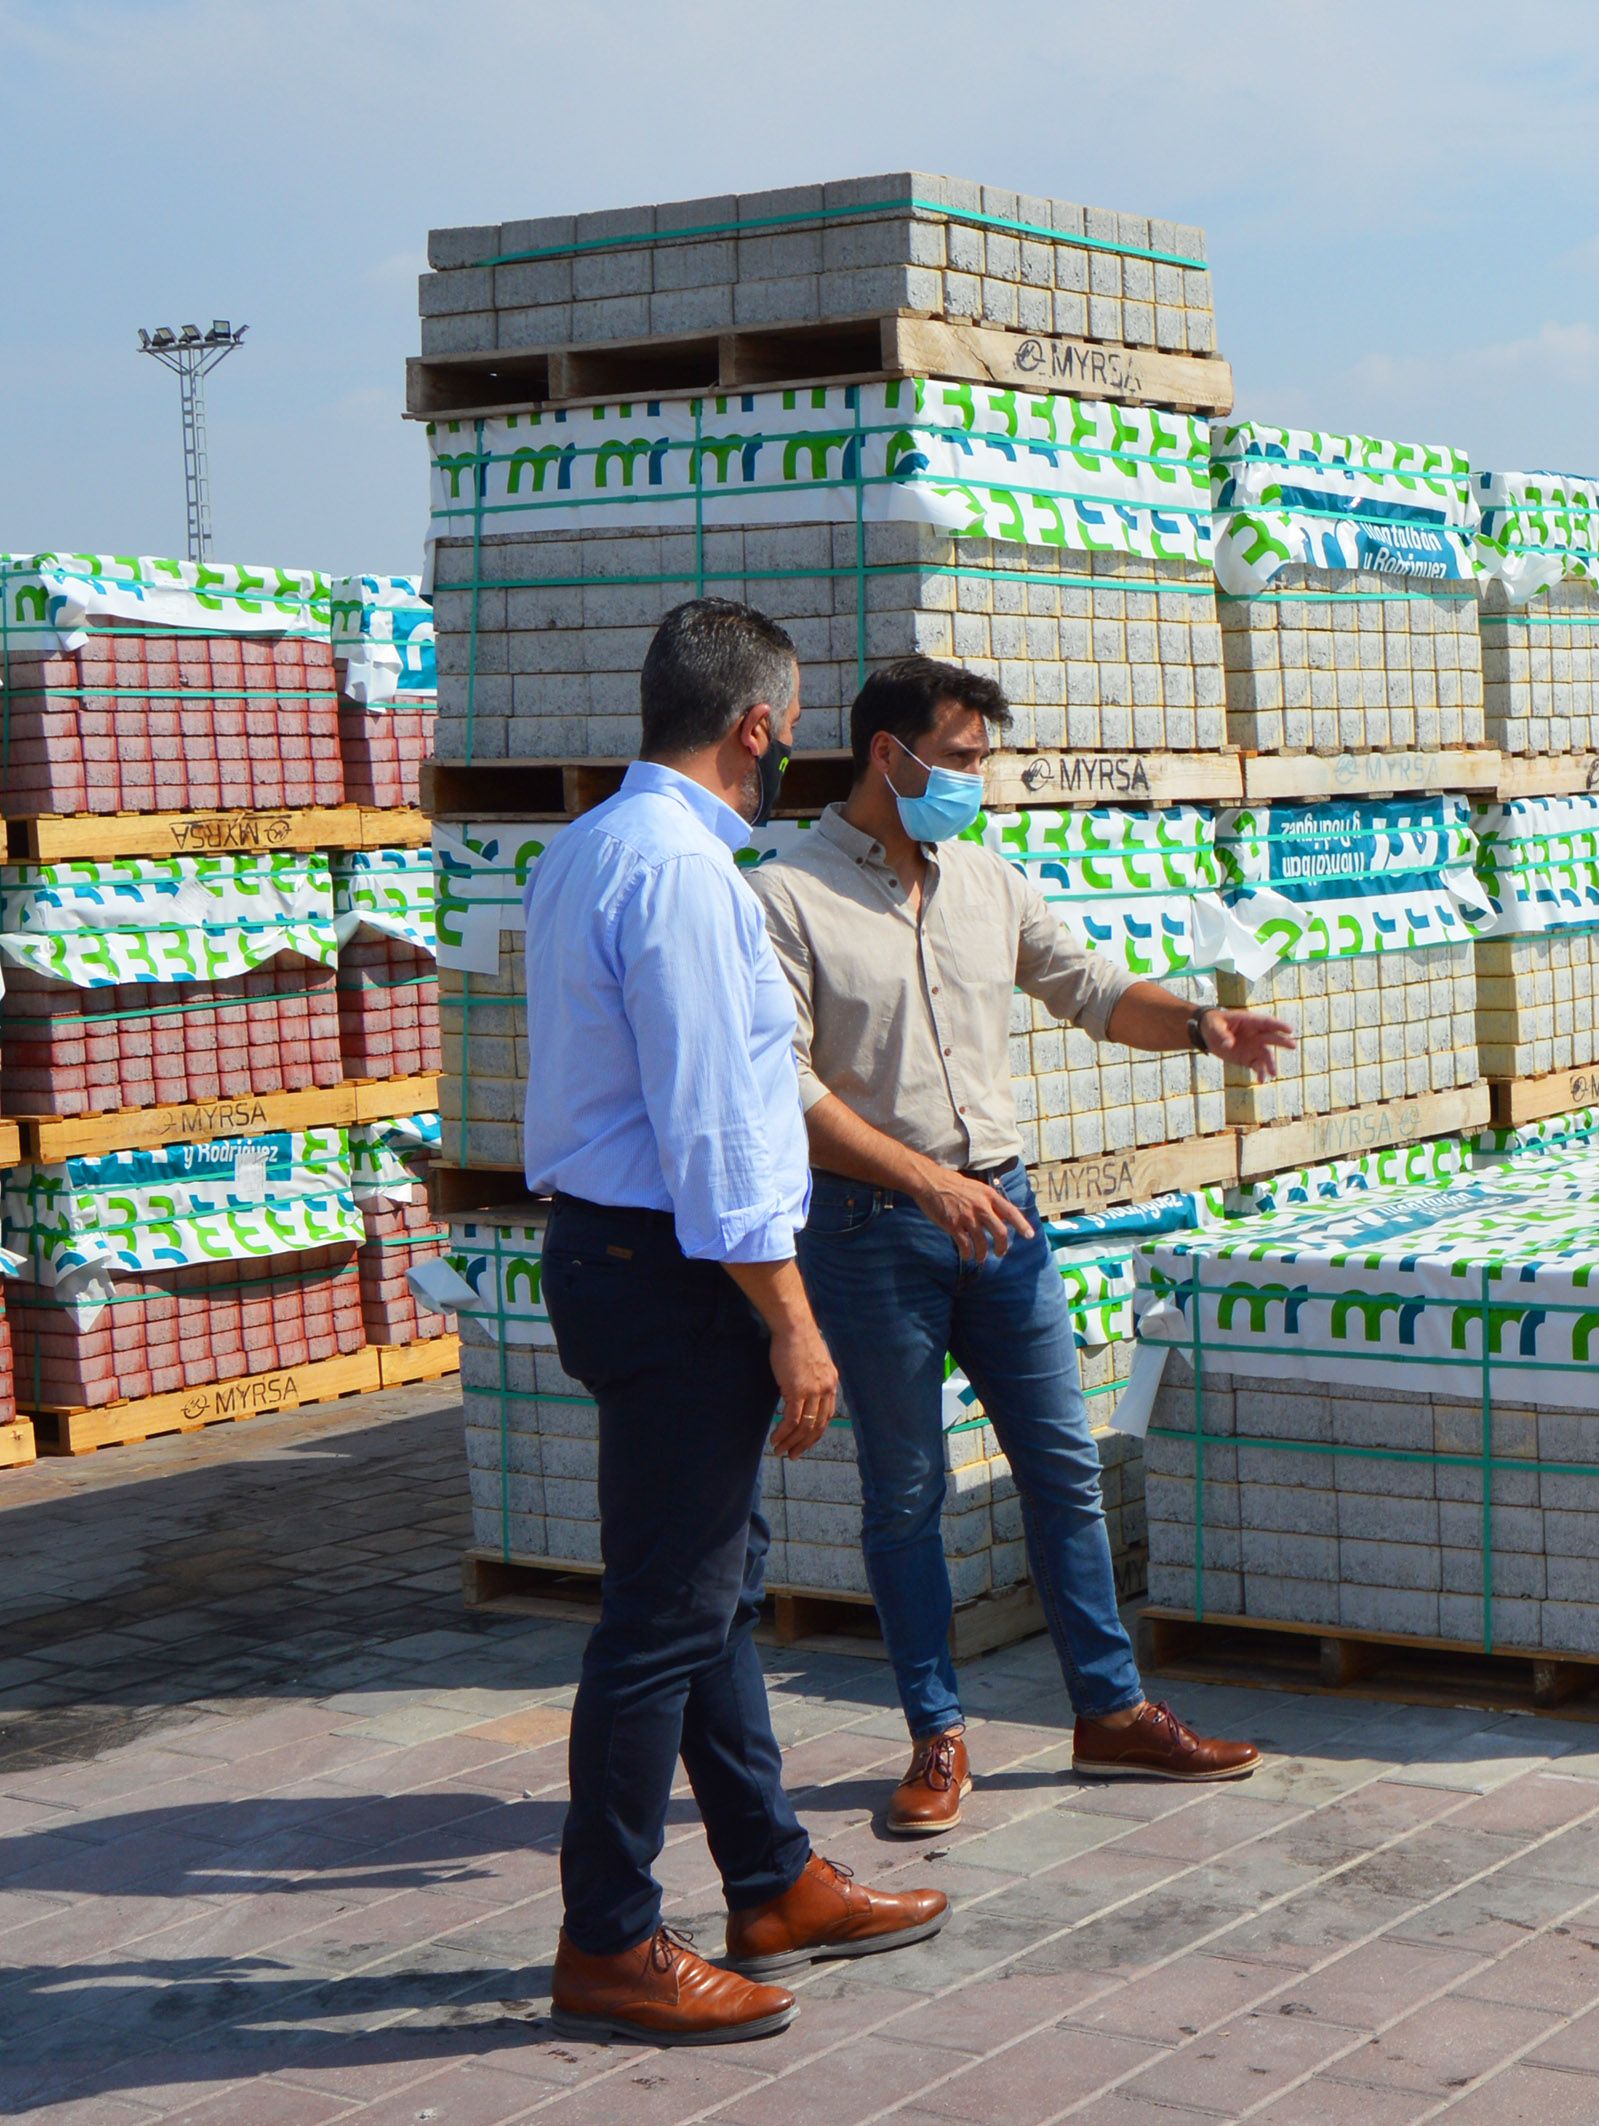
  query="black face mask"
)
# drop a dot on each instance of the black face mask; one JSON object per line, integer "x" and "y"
{"x": 771, "y": 768}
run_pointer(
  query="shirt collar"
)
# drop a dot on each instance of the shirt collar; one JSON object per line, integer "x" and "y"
{"x": 861, "y": 848}
{"x": 661, "y": 781}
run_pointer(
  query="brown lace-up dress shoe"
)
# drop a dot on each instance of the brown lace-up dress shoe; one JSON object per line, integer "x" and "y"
{"x": 928, "y": 1798}
{"x": 828, "y": 1913}
{"x": 1157, "y": 1746}
{"x": 660, "y": 1993}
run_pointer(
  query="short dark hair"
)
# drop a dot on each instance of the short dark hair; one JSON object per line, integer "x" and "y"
{"x": 904, "y": 698}
{"x": 709, "y": 661}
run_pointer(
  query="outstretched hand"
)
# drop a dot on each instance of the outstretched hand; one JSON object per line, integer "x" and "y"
{"x": 1250, "y": 1040}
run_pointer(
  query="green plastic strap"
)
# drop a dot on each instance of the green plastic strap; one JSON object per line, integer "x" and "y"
{"x": 1129, "y": 586}
{"x": 477, "y": 574}
{"x": 1314, "y": 597}
{"x": 1487, "y": 1471}
{"x": 191, "y": 694}
{"x": 1538, "y": 620}
{"x": 1197, "y": 1362}
{"x": 648, "y": 239}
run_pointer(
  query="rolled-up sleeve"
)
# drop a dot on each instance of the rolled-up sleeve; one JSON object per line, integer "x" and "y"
{"x": 793, "y": 949}
{"x": 1078, "y": 986}
{"x": 688, "y": 992}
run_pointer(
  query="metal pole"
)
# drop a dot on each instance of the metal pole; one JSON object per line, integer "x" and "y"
{"x": 191, "y": 360}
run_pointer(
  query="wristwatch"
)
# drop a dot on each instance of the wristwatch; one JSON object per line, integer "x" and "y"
{"x": 1196, "y": 1028}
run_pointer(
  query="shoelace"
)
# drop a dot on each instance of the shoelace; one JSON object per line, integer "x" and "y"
{"x": 668, "y": 1946}
{"x": 939, "y": 1770}
{"x": 1162, "y": 1716}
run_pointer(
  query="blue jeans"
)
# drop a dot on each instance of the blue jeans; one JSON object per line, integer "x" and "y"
{"x": 680, "y": 1366}
{"x": 892, "y": 1296}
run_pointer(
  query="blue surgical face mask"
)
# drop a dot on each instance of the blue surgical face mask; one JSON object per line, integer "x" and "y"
{"x": 947, "y": 806}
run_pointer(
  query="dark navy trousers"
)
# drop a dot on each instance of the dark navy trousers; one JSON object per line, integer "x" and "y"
{"x": 679, "y": 1364}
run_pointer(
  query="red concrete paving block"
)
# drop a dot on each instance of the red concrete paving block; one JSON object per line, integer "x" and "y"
{"x": 398, "y": 1237}
{"x": 1180, "y": 1999}
{"x": 1557, "y": 1972}
{"x": 1037, "y": 2077}
{"x": 1228, "y": 2069}
{"x": 1214, "y": 1825}
{"x": 660, "y": 2088}
{"x": 1326, "y": 2101}
{"x": 1528, "y": 1807}
{"x": 383, "y": 754}
{"x": 860, "y": 2079}
{"x": 262, "y": 2101}
{"x": 1446, "y": 2045}
{"x": 1367, "y": 1987}
{"x": 1530, "y": 2096}
{"x": 984, "y": 2016}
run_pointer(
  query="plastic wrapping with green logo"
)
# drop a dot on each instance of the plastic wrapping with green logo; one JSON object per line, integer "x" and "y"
{"x": 61, "y": 596}
{"x": 1537, "y": 529}
{"x": 1488, "y": 1285}
{"x": 977, "y": 460}
{"x": 80, "y": 1223}
{"x": 387, "y": 890}
{"x": 1337, "y": 880}
{"x": 1144, "y": 886}
{"x": 93, "y": 922}
{"x": 1538, "y": 860}
{"x": 383, "y": 639}
{"x": 1283, "y": 496}
{"x": 1431, "y": 1164}
{"x": 384, "y": 1157}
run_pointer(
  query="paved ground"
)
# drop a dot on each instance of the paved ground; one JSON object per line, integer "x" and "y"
{"x": 278, "y": 1825}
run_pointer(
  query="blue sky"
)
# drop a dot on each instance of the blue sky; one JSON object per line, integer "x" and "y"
{"x": 1401, "y": 202}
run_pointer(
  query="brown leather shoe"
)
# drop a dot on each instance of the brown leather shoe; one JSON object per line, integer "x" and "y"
{"x": 1157, "y": 1746}
{"x": 928, "y": 1799}
{"x": 828, "y": 1913}
{"x": 660, "y": 1993}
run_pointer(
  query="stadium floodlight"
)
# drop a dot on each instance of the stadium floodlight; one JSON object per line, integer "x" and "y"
{"x": 191, "y": 357}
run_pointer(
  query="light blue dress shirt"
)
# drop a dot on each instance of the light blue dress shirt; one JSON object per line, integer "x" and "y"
{"x": 660, "y": 1026}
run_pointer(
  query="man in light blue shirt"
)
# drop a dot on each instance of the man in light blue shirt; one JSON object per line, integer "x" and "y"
{"x": 664, "y": 1118}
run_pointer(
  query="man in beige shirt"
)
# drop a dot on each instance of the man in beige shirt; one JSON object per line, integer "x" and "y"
{"x": 903, "y": 944}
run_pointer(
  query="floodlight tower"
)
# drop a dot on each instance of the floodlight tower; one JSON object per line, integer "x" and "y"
{"x": 191, "y": 355}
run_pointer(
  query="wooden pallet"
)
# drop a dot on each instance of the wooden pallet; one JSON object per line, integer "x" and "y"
{"x": 1286, "y": 778}
{"x": 377, "y": 1099}
{"x": 17, "y": 1446}
{"x": 1067, "y": 1185}
{"x": 429, "y": 1359}
{"x": 1364, "y": 1664}
{"x": 399, "y": 827}
{"x": 1547, "y": 775}
{"x": 51, "y": 1137}
{"x": 847, "y": 350}
{"x": 1557, "y": 1092}
{"x": 561, "y": 789}
{"x": 1277, "y": 1147}
{"x": 51, "y": 838}
{"x": 217, "y": 1403}
{"x": 463, "y": 1191}
{"x": 1066, "y": 779}
{"x": 10, "y": 1143}
{"x": 828, "y": 1622}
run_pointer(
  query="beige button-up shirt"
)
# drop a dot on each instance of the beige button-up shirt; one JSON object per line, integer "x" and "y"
{"x": 907, "y": 1018}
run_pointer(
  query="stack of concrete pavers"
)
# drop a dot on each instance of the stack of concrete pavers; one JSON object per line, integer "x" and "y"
{"x": 388, "y": 686}
{"x": 1378, "y": 1406}
{"x": 1348, "y": 597}
{"x": 1539, "y": 550}
{"x": 388, "y": 980}
{"x": 133, "y": 685}
{"x": 906, "y": 242}
{"x": 143, "y": 981}
{"x": 146, "y": 1272}
{"x": 1538, "y": 960}
{"x": 389, "y": 1161}
{"x": 1355, "y": 922}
